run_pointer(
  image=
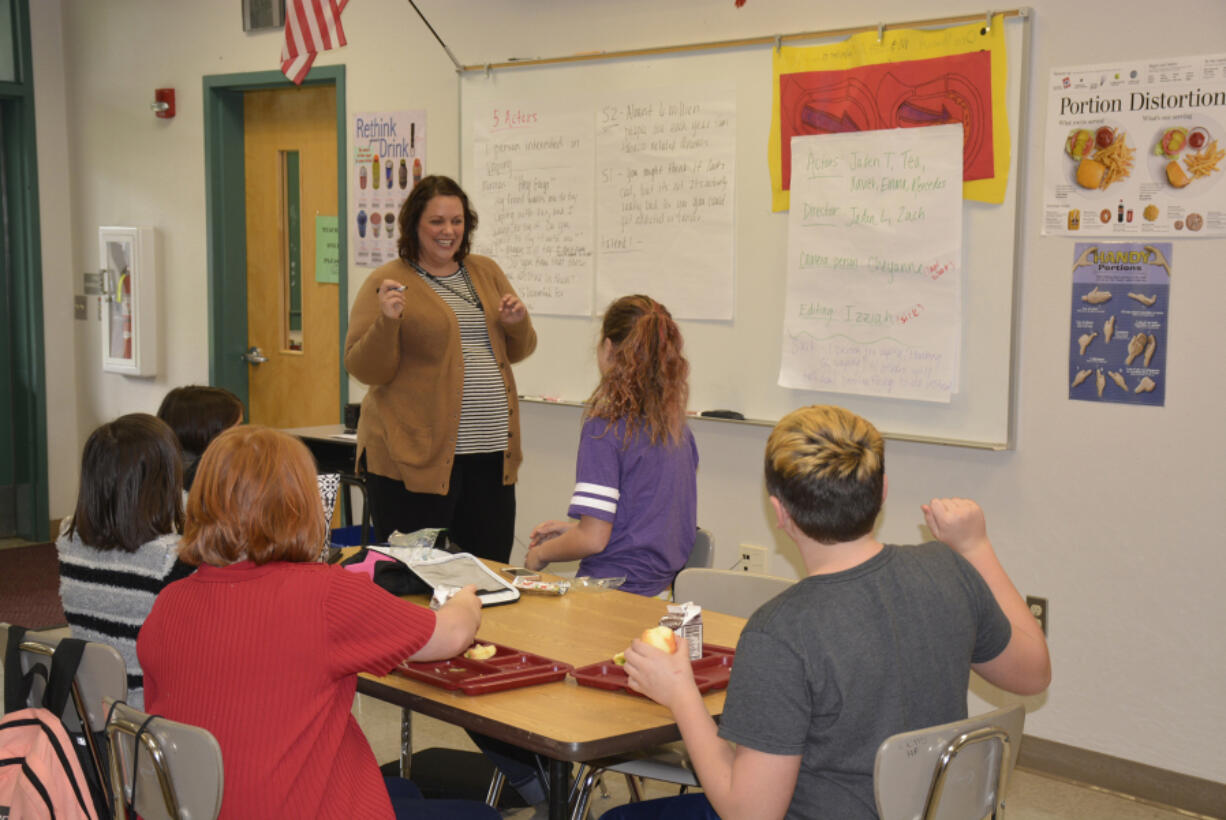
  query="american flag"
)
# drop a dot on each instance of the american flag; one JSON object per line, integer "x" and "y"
{"x": 311, "y": 26}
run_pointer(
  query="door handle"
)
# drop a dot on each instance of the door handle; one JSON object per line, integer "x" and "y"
{"x": 254, "y": 356}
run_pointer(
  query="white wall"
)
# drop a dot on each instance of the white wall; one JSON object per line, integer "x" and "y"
{"x": 1114, "y": 513}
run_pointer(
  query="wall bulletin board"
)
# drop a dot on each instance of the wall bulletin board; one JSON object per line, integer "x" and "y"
{"x": 734, "y": 343}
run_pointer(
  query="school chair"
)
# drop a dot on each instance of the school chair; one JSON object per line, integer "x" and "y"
{"x": 955, "y": 771}
{"x": 720, "y": 590}
{"x": 162, "y": 769}
{"x": 101, "y": 674}
{"x": 703, "y": 554}
{"x": 730, "y": 591}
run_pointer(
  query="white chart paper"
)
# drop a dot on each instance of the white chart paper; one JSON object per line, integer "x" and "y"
{"x": 874, "y": 298}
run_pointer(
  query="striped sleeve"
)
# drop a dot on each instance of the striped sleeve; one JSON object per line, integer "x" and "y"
{"x": 597, "y": 472}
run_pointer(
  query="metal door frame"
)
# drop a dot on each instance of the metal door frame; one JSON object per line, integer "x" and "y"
{"x": 226, "y": 214}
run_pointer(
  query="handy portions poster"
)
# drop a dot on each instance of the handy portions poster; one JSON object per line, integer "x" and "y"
{"x": 905, "y": 79}
{"x": 874, "y": 296}
{"x": 1120, "y": 315}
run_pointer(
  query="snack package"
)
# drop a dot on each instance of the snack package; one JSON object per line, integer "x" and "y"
{"x": 685, "y": 620}
{"x": 529, "y": 584}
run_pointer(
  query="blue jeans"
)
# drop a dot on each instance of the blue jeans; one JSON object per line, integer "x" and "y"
{"x": 683, "y": 807}
{"x": 408, "y": 804}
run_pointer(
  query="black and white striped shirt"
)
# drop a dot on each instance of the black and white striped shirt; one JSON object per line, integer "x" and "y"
{"x": 483, "y": 411}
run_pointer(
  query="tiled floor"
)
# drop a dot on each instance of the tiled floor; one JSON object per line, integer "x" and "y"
{"x": 1031, "y": 796}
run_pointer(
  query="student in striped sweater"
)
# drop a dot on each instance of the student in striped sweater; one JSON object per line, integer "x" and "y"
{"x": 262, "y": 646}
{"x": 120, "y": 546}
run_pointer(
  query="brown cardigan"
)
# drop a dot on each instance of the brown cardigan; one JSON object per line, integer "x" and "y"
{"x": 415, "y": 369}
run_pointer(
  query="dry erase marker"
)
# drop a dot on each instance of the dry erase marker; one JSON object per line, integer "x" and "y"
{"x": 395, "y": 287}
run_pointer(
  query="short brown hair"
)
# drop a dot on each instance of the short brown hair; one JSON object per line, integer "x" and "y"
{"x": 826, "y": 465}
{"x": 198, "y": 413}
{"x": 415, "y": 204}
{"x": 131, "y": 484}
{"x": 255, "y": 498}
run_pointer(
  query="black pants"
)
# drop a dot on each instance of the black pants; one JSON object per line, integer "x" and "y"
{"x": 478, "y": 510}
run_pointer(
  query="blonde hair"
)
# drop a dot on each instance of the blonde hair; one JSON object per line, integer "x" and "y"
{"x": 255, "y": 498}
{"x": 826, "y": 465}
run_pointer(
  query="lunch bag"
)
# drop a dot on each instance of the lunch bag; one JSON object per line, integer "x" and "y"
{"x": 388, "y": 572}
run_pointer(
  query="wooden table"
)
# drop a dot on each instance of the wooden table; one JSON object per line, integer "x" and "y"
{"x": 563, "y": 721}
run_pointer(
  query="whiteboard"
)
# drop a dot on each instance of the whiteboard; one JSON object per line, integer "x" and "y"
{"x": 735, "y": 363}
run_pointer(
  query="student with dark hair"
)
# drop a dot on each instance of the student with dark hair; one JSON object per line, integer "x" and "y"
{"x": 120, "y": 546}
{"x": 434, "y": 333}
{"x": 197, "y": 414}
{"x": 876, "y": 640}
{"x": 262, "y": 646}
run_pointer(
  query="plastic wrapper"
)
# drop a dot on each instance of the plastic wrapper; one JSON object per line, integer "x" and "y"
{"x": 442, "y": 594}
{"x": 588, "y": 582}
{"x": 430, "y": 537}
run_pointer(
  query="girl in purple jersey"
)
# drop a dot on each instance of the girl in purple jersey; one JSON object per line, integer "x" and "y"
{"x": 635, "y": 497}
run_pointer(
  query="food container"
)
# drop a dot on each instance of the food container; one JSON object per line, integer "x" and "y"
{"x": 685, "y": 620}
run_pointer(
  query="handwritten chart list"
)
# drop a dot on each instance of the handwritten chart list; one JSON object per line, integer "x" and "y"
{"x": 664, "y": 188}
{"x": 533, "y": 194}
{"x": 874, "y": 297}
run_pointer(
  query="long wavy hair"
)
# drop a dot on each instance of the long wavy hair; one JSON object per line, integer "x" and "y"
{"x": 647, "y": 378}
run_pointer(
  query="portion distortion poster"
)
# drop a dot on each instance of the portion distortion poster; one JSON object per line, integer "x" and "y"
{"x": 1137, "y": 149}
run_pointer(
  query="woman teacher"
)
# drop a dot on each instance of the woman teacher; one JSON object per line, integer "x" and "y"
{"x": 434, "y": 334}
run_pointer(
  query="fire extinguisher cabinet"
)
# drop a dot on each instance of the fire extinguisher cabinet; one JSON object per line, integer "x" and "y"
{"x": 129, "y": 300}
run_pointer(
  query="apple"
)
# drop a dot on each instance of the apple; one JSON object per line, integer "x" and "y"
{"x": 661, "y": 637}
{"x": 481, "y": 651}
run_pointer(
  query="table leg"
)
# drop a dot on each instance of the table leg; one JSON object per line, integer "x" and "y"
{"x": 559, "y": 789}
{"x": 406, "y": 742}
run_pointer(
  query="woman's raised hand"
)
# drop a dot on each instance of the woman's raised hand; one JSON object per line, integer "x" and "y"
{"x": 391, "y": 298}
{"x": 511, "y": 310}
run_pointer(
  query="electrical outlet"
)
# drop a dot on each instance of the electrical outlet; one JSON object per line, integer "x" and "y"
{"x": 753, "y": 559}
{"x": 1038, "y": 608}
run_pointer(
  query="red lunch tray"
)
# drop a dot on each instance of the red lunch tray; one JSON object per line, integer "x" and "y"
{"x": 507, "y": 669}
{"x": 711, "y": 671}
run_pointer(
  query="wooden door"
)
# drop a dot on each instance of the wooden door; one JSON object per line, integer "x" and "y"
{"x": 290, "y": 161}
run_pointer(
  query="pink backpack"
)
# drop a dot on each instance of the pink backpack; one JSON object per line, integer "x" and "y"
{"x": 40, "y": 776}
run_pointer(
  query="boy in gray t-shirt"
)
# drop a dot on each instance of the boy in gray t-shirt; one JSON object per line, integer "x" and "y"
{"x": 876, "y": 640}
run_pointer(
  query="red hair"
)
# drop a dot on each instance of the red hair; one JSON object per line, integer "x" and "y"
{"x": 647, "y": 380}
{"x": 255, "y": 498}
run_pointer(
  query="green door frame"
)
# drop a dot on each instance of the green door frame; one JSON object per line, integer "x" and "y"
{"x": 25, "y": 408}
{"x": 226, "y": 214}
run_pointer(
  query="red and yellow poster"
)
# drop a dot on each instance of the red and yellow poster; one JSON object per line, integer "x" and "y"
{"x": 905, "y": 79}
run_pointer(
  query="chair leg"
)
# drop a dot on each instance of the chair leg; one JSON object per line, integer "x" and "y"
{"x": 406, "y": 742}
{"x": 636, "y": 790}
{"x": 494, "y": 793}
{"x": 583, "y": 793}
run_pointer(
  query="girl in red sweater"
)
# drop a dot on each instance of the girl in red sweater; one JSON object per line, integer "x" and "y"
{"x": 262, "y": 646}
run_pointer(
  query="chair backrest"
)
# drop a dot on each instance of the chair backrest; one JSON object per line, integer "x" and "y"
{"x": 102, "y": 674}
{"x": 703, "y": 554}
{"x": 956, "y": 771}
{"x": 726, "y": 590}
{"x": 178, "y": 775}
